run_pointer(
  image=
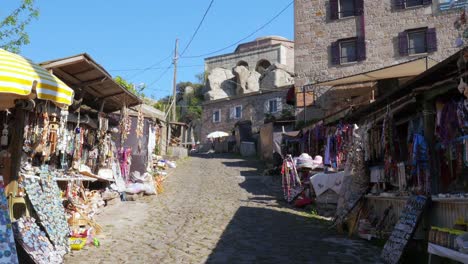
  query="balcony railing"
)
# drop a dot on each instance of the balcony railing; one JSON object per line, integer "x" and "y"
{"x": 455, "y": 5}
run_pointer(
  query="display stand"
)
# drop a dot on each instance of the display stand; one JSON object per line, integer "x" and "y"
{"x": 436, "y": 250}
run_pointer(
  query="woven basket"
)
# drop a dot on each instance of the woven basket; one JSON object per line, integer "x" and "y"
{"x": 77, "y": 221}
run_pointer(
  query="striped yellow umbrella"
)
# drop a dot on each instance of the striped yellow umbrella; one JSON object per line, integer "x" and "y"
{"x": 20, "y": 76}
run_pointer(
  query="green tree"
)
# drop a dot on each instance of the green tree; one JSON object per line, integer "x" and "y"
{"x": 191, "y": 109}
{"x": 130, "y": 86}
{"x": 13, "y": 33}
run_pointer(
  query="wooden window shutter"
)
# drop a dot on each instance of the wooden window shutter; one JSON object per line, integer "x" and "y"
{"x": 335, "y": 53}
{"x": 266, "y": 106}
{"x": 427, "y": 2}
{"x": 403, "y": 43}
{"x": 334, "y": 9}
{"x": 358, "y": 7}
{"x": 400, "y": 4}
{"x": 361, "y": 49}
{"x": 279, "y": 104}
{"x": 431, "y": 40}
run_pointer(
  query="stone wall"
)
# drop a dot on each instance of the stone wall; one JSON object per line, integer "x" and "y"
{"x": 274, "y": 54}
{"x": 252, "y": 109}
{"x": 314, "y": 33}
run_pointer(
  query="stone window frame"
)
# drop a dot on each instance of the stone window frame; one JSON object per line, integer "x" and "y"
{"x": 214, "y": 116}
{"x": 415, "y": 3}
{"x": 352, "y": 13}
{"x": 270, "y": 101}
{"x": 430, "y": 41}
{"x": 420, "y": 32}
{"x": 349, "y": 40}
{"x": 403, "y": 4}
{"x": 233, "y": 112}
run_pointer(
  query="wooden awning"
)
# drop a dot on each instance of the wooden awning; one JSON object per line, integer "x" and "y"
{"x": 91, "y": 82}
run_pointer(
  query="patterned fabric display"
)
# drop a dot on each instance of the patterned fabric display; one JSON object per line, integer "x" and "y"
{"x": 35, "y": 242}
{"x": 7, "y": 242}
{"x": 47, "y": 203}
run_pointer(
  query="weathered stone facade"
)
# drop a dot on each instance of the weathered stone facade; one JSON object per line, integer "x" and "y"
{"x": 315, "y": 31}
{"x": 254, "y": 108}
{"x": 272, "y": 49}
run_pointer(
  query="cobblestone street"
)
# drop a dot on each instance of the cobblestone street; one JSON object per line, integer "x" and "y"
{"x": 218, "y": 209}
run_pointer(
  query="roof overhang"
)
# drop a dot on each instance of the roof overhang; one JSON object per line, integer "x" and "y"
{"x": 91, "y": 82}
{"x": 401, "y": 70}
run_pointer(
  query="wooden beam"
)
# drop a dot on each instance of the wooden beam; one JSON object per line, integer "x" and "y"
{"x": 91, "y": 82}
{"x": 61, "y": 73}
{"x": 112, "y": 95}
{"x": 63, "y": 62}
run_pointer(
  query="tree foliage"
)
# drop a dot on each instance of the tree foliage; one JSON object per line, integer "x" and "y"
{"x": 13, "y": 33}
{"x": 189, "y": 102}
{"x": 130, "y": 86}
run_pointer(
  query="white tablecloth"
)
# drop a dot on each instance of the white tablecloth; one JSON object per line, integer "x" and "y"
{"x": 324, "y": 181}
{"x": 447, "y": 253}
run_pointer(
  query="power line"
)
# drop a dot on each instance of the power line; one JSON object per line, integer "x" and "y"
{"x": 149, "y": 67}
{"x": 244, "y": 38}
{"x": 160, "y": 76}
{"x": 198, "y": 28}
{"x": 155, "y": 68}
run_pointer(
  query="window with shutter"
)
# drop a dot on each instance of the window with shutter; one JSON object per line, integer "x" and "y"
{"x": 279, "y": 104}
{"x": 333, "y": 9}
{"x": 335, "y": 53}
{"x": 417, "y": 42}
{"x": 361, "y": 49}
{"x": 346, "y": 8}
{"x": 237, "y": 113}
{"x": 358, "y": 7}
{"x": 348, "y": 51}
{"x": 217, "y": 116}
{"x": 412, "y": 3}
{"x": 399, "y": 4}
{"x": 403, "y": 43}
{"x": 431, "y": 40}
{"x": 273, "y": 106}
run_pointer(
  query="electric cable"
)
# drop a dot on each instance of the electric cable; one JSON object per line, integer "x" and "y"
{"x": 198, "y": 28}
{"x": 244, "y": 38}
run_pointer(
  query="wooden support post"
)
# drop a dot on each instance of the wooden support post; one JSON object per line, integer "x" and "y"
{"x": 429, "y": 128}
{"x": 16, "y": 149}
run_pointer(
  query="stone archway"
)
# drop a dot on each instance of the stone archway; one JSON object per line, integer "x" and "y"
{"x": 262, "y": 66}
{"x": 243, "y": 63}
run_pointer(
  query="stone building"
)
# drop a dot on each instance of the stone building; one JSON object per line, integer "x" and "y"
{"x": 223, "y": 114}
{"x": 256, "y": 55}
{"x": 249, "y": 84}
{"x": 339, "y": 38}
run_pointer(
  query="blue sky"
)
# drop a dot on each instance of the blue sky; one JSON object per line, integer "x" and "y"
{"x": 126, "y": 35}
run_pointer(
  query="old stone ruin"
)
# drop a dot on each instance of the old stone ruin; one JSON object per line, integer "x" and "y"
{"x": 222, "y": 83}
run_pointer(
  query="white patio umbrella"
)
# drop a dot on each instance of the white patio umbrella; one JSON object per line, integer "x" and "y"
{"x": 217, "y": 134}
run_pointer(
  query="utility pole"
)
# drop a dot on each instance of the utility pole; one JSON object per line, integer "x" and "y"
{"x": 174, "y": 84}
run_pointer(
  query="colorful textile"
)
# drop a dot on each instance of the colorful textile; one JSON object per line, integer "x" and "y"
{"x": 291, "y": 182}
{"x": 420, "y": 164}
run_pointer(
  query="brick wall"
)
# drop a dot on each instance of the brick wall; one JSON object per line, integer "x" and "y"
{"x": 252, "y": 109}
{"x": 314, "y": 33}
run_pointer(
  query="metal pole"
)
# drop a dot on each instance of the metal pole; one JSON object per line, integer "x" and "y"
{"x": 174, "y": 84}
{"x": 304, "y": 101}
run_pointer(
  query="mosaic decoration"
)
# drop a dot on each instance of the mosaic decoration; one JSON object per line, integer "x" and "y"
{"x": 7, "y": 241}
{"x": 404, "y": 229}
{"x": 35, "y": 242}
{"x": 48, "y": 205}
